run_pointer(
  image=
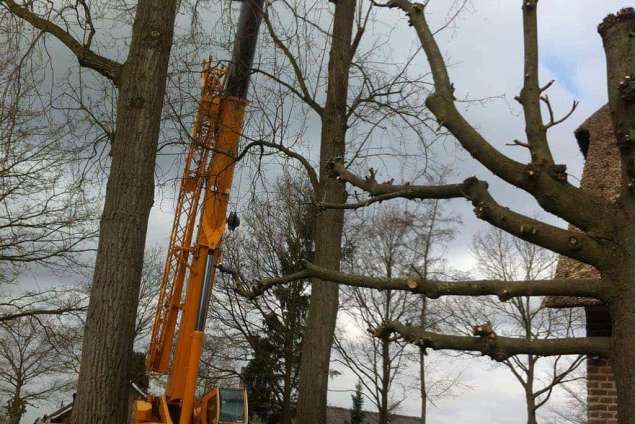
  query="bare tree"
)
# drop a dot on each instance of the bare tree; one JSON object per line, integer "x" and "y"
{"x": 323, "y": 67}
{"x": 503, "y": 257}
{"x": 604, "y": 238}
{"x": 148, "y": 295}
{"x": 389, "y": 242}
{"x": 386, "y": 251}
{"x": 65, "y": 334}
{"x": 140, "y": 81}
{"x": 575, "y": 411}
{"x": 29, "y": 371}
{"x": 47, "y": 221}
{"x": 46, "y": 217}
{"x": 434, "y": 229}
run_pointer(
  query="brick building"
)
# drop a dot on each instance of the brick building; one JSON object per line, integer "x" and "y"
{"x": 601, "y": 175}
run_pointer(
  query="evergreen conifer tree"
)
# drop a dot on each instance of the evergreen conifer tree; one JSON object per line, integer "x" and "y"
{"x": 357, "y": 412}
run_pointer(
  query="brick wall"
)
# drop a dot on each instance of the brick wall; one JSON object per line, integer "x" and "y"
{"x": 601, "y": 392}
{"x": 602, "y": 397}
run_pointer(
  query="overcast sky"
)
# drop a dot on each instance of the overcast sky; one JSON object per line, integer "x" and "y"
{"x": 485, "y": 50}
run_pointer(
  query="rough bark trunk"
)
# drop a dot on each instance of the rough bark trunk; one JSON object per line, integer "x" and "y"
{"x": 102, "y": 391}
{"x": 623, "y": 352}
{"x": 318, "y": 336}
{"x": 618, "y": 36}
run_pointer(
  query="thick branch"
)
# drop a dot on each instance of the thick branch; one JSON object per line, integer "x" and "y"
{"x": 37, "y": 312}
{"x": 433, "y": 289}
{"x": 545, "y": 181}
{"x": 573, "y": 244}
{"x": 530, "y": 95}
{"x": 496, "y": 347}
{"x": 619, "y": 45}
{"x": 288, "y": 152}
{"x": 385, "y": 191}
{"x": 85, "y": 56}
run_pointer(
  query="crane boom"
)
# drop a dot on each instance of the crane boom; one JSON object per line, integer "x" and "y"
{"x": 178, "y": 254}
{"x": 190, "y": 268}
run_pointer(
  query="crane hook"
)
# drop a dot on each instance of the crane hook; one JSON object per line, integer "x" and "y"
{"x": 233, "y": 221}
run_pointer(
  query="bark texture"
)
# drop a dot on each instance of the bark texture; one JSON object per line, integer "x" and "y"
{"x": 618, "y": 35}
{"x": 102, "y": 392}
{"x": 318, "y": 337}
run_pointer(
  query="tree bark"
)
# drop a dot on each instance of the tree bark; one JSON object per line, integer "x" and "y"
{"x": 618, "y": 36}
{"x": 531, "y": 406}
{"x": 320, "y": 327}
{"x": 102, "y": 391}
{"x": 619, "y": 46}
{"x": 529, "y": 388}
{"x": 622, "y": 311}
{"x": 16, "y": 409}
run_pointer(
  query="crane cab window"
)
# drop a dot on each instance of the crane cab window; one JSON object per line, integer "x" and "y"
{"x": 232, "y": 406}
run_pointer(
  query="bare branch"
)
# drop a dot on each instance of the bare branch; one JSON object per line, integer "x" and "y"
{"x": 288, "y": 152}
{"x": 36, "y": 312}
{"x": 433, "y": 289}
{"x": 530, "y": 95}
{"x": 573, "y": 244}
{"x": 85, "y": 56}
{"x": 571, "y": 203}
{"x": 496, "y": 347}
{"x": 386, "y": 191}
{"x": 299, "y": 76}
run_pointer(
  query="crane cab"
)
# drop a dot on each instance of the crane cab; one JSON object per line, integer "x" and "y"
{"x": 218, "y": 406}
{"x": 224, "y": 406}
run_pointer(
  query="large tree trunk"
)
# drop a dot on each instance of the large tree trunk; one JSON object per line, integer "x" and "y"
{"x": 318, "y": 336}
{"x": 102, "y": 391}
{"x": 618, "y": 35}
{"x": 623, "y": 349}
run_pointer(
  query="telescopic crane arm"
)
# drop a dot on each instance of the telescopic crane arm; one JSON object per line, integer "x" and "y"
{"x": 193, "y": 255}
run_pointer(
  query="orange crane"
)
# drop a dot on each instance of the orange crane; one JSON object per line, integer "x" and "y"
{"x": 193, "y": 256}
